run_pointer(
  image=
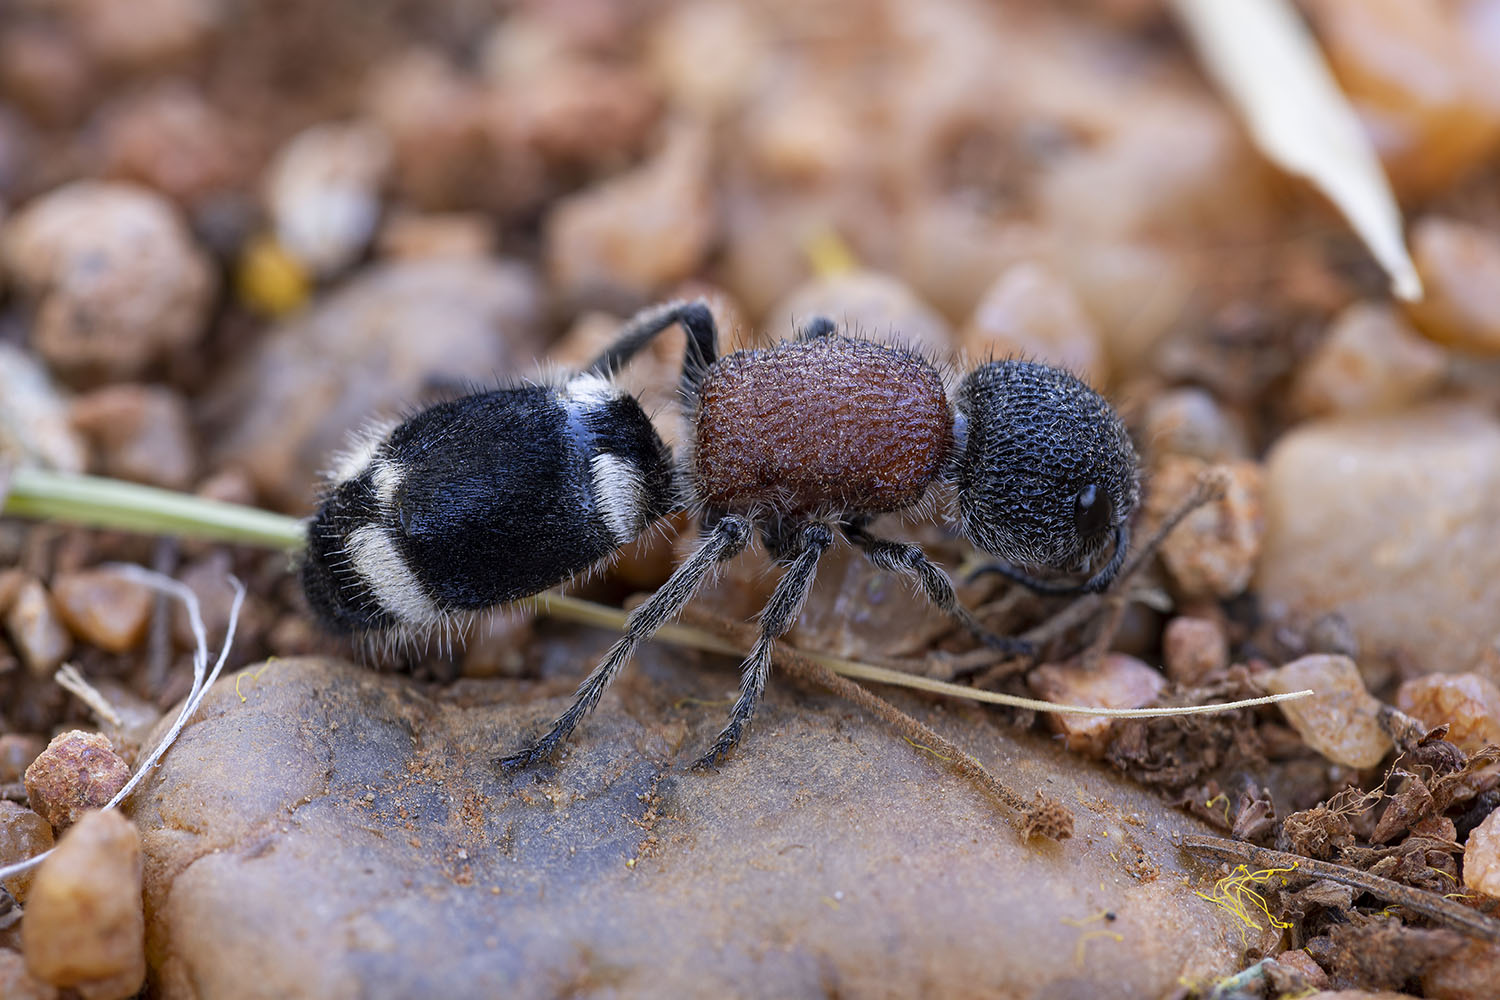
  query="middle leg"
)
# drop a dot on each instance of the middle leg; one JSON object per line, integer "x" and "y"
{"x": 903, "y": 557}
{"x": 806, "y": 548}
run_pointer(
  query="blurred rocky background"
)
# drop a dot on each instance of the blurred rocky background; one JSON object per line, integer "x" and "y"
{"x": 233, "y": 231}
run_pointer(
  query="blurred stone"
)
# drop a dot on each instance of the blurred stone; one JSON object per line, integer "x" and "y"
{"x": 864, "y": 304}
{"x": 951, "y": 254}
{"x": 1369, "y": 361}
{"x": 800, "y": 130}
{"x": 1460, "y": 268}
{"x": 631, "y": 235}
{"x": 84, "y": 929}
{"x": 23, "y": 834}
{"x": 378, "y": 808}
{"x": 323, "y": 193}
{"x": 1394, "y": 523}
{"x": 454, "y": 150}
{"x": 710, "y": 87}
{"x": 142, "y": 433}
{"x": 1192, "y": 648}
{"x": 113, "y": 274}
{"x": 584, "y": 115}
{"x": 43, "y": 72}
{"x": 138, "y": 718}
{"x": 1135, "y": 291}
{"x": 1427, "y": 94}
{"x": 35, "y": 631}
{"x": 145, "y": 35}
{"x": 1172, "y": 164}
{"x": 78, "y": 771}
{"x": 312, "y": 381}
{"x": 858, "y": 611}
{"x": 34, "y": 424}
{"x": 103, "y": 608}
{"x": 1482, "y": 856}
{"x": 1468, "y": 974}
{"x": 1340, "y": 720}
{"x": 1030, "y": 313}
{"x": 208, "y": 578}
{"x": 1190, "y": 421}
{"x": 1300, "y": 961}
{"x": 170, "y": 138}
{"x": 16, "y": 983}
{"x": 1212, "y": 553}
{"x": 1117, "y": 681}
{"x": 1468, "y": 703}
{"x": 17, "y": 750}
{"x": 415, "y": 235}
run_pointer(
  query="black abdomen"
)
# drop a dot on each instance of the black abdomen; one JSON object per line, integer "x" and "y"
{"x": 484, "y": 500}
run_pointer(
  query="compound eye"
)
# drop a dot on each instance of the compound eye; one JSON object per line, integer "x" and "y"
{"x": 1091, "y": 511}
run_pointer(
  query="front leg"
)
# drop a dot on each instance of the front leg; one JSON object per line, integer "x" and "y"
{"x": 781, "y": 611}
{"x": 903, "y": 557}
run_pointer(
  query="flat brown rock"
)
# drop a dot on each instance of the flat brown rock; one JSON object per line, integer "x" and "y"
{"x": 345, "y": 833}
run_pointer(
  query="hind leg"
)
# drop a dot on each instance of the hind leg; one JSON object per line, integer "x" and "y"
{"x": 724, "y": 541}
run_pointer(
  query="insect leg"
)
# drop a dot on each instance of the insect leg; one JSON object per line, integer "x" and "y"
{"x": 780, "y": 614}
{"x": 696, "y": 320}
{"x": 725, "y": 541}
{"x": 1096, "y": 584}
{"x": 902, "y": 557}
{"x": 818, "y": 326}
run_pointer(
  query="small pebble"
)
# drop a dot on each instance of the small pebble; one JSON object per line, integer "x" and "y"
{"x": 42, "y": 72}
{"x": 306, "y": 384}
{"x": 11, "y": 581}
{"x": 1119, "y": 681}
{"x": 141, "y": 433}
{"x": 1482, "y": 856}
{"x": 1468, "y": 703}
{"x": 138, "y": 718}
{"x": 637, "y": 232}
{"x": 16, "y": 983}
{"x": 865, "y": 304}
{"x": 174, "y": 140}
{"x": 208, "y": 579}
{"x": 1459, "y": 263}
{"x": 103, "y": 608}
{"x": 1031, "y": 313}
{"x": 1212, "y": 553}
{"x": 1470, "y": 973}
{"x": 733, "y": 32}
{"x": 23, "y": 834}
{"x": 451, "y": 145}
{"x": 1393, "y": 522}
{"x": 1192, "y": 648}
{"x": 1370, "y": 361}
{"x": 34, "y": 423}
{"x": 414, "y": 235}
{"x": 77, "y": 772}
{"x": 581, "y": 114}
{"x": 323, "y": 193}
{"x": 1340, "y": 720}
{"x": 17, "y": 751}
{"x": 1301, "y": 962}
{"x": 1190, "y": 421}
{"x": 1425, "y": 91}
{"x": 113, "y": 275}
{"x": 85, "y": 928}
{"x": 35, "y": 629}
